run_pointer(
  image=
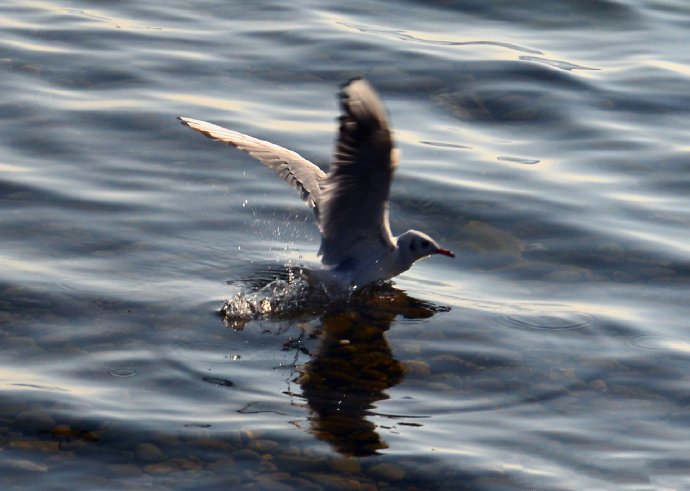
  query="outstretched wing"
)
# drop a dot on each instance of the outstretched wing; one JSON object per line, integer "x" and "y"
{"x": 305, "y": 177}
{"x": 353, "y": 215}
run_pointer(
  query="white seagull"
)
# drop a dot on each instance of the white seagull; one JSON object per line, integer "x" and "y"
{"x": 350, "y": 203}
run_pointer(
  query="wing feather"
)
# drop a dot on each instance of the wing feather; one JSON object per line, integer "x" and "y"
{"x": 353, "y": 215}
{"x": 305, "y": 177}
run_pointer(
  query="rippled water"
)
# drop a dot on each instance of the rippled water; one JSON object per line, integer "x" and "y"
{"x": 546, "y": 143}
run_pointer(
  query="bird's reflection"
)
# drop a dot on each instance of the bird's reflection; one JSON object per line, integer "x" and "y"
{"x": 353, "y": 366}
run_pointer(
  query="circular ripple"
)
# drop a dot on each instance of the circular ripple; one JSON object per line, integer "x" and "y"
{"x": 123, "y": 372}
{"x": 547, "y": 322}
{"x": 658, "y": 343}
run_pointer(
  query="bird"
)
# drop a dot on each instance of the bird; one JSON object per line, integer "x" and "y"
{"x": 350, "y": 202}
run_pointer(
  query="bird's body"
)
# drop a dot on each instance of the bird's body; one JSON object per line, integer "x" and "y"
{"x": 350, "y": 203}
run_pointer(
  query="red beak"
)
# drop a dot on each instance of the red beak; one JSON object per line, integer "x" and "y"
{"x": 445, "y": 252}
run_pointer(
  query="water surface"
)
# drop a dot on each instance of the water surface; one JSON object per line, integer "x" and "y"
{"x": 546, "y": 144}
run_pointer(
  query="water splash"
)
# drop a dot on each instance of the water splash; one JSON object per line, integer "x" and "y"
{"x": 282, "y": 297}
{"x": 293, "y": 296}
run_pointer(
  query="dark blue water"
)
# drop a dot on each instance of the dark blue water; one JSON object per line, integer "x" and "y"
{"x": 546, "y": 143}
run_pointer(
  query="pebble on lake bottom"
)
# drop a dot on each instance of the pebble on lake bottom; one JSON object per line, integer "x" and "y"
{"x": 148, "y": 452}
{"x": 387, "y": 472}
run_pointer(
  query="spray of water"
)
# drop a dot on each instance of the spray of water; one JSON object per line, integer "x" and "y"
{"x": 289, "y": 297}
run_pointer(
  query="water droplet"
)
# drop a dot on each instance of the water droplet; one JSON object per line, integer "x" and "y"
{"x": 207, "y": 353}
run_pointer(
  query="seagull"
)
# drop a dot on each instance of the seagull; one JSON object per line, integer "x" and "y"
{"x": 350, "y": 203}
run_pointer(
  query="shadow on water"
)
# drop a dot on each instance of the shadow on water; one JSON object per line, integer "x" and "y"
{"x": 352, "y": 365}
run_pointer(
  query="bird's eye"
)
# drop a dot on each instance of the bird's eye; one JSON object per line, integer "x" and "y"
{"x": 413, "y": 245}
{"x": 425, "y": 244}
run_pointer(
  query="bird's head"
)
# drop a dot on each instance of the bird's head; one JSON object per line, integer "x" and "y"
{"x": 414, "y": 245}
